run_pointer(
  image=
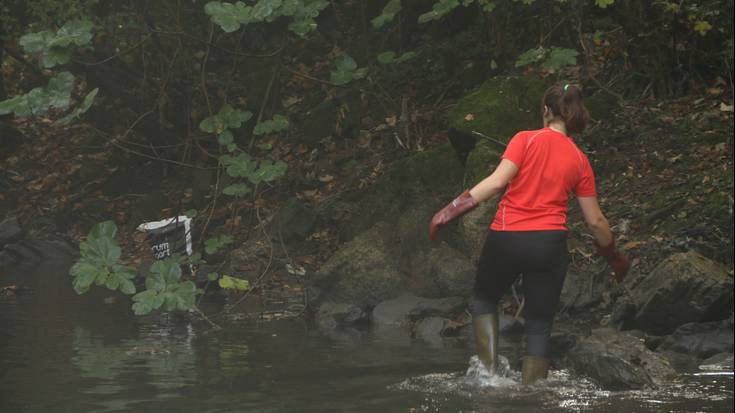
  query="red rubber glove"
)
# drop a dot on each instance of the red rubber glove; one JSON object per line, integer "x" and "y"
{"x": 458, "y": 207}
{"x": 615, "y": 259}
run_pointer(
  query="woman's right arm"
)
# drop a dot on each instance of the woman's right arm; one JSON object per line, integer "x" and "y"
{"x": 596, "y": 221}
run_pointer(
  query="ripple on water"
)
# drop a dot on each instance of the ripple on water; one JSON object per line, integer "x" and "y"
{"x": 564, "y": 391}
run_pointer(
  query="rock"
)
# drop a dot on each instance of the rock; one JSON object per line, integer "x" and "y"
{"x": 10, "y": 231}
{"x": 294, "y": 222}
{"x": 428, "y": 180}
{"x": 361, "y": 271}
{"x": 583, "y": 290}
{"x": 618, "y": 361}
{"x": 440, "y": 271}
{"x": 409, "y": 307}
{"x": 684, "y": 288}
{"x": 623, "y": 313}
{"x": 474, "y": 225}
{"x": 718, "y": 362}
{"x": 500, "y": 108}
{"x": 332, "y": 315}
{"x": 701, "y": 339}
{"x": 249, "y": 260}
{"x": 431, "y": 328}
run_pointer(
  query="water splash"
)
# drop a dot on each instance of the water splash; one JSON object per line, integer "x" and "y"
{"x": 478, "y": 374}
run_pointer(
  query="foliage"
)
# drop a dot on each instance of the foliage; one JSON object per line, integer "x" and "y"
{"x": 81, "y": 109}
{"x": 164, "y": 289}
{"x": 221, "y": 123}
{"x": 233, "y": 283}
{"x": 391, "y": 9}
{"x": 551, "y": 59}
{"x": 346, "y": 71}
{"x": 98, "y": 262}
{"x": 230, "y": 17}
{"x": 244, "y": 166}
{"x": 56, "y": 94}
{"x": 56, "y": 48}
{"x": 277, "y": 124}
{"x": 213, "y": 245}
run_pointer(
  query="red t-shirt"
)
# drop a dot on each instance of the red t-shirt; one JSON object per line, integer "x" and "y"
{"x": 550, "y": 167}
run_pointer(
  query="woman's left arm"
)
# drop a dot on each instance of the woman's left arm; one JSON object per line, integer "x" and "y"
{"x": 493, "y": 184}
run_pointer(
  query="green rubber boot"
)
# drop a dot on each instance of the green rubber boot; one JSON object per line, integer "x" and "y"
{"x": 534, "y": 368}
{"x": 486, "y": 338}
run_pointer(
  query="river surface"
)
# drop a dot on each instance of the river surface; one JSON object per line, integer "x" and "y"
{"x": 60, "y": 352}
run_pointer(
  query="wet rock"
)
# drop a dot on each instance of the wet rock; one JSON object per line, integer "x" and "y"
{"x": 294, "y": 222}
{"x": 410, "y": 307}
{"x": 583, "y": 290}
{"x": 684, "y": 288}
{"x": 618, "y": 361}
{"x": 718, "y": 362}
{"x": 431, "y": 328}
{"x": 623, "y": 314}
{"x": 440, "y": 271}
{"x": 332, "y": 315}
{"x": 10, "y": 231}
{"x": 701, "y": 339}
{"x": 360, "y": 272}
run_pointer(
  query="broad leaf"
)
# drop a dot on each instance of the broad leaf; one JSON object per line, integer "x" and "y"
{"x": 237, "y": 190}
{"x": 232, "y": 283}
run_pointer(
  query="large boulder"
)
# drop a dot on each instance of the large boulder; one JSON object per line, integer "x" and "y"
{"x": 362, "y": 272}
{"x": 684, "y": 288}
{"x": 618, "y": 361}
{"x": 426, "y": 180}
{"x": 701, "y": 339}
{"x": 440, "y": 271}
{"x": 474, "y": 225}
{"x": 498, "y": 109}
{"x": 409, "y": 307}
{"x": 583, "y": 290}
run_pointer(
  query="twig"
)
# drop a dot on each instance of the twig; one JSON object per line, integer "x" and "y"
{"x": 116, "y": 55}
{"x": 214, "y": 204}
{"x": 214, "y": 46}
{"x": 203, "y": 72}
{"x": 493, "y": 140}
{"x": 201, "y": 314}
{"x": 266, "y": 98}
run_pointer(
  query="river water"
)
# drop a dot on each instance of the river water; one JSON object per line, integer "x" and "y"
{"x": 60, "y": 352}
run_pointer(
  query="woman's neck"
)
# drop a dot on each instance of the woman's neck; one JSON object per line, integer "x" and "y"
{"x": 558, "y": 126}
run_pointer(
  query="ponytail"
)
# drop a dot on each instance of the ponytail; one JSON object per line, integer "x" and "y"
{"x": 565, "y": 101}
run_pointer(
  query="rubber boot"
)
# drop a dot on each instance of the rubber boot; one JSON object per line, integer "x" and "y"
{"x": 534, "y": 368}
{"x": 486, "y": 338}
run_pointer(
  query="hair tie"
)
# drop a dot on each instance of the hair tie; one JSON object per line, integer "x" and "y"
{"x": 566, "y": 86}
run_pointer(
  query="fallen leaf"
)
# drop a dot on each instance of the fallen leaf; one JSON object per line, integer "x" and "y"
{"x": 326, "y": 178}
{"x": 633, "y": 244}
{"x": 470, "y": 117}
{"x": 727, "y": 108}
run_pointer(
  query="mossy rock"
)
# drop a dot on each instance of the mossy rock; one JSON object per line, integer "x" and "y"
{"x": 501, "y": 107}
{"x": 430, "y": 179}
{"x": 481, "y": 162}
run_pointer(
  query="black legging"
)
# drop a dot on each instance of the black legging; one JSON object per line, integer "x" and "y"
{"x": 541, "y": 256}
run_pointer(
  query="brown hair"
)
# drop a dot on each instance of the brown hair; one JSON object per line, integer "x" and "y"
{"x": 565, "y": 101}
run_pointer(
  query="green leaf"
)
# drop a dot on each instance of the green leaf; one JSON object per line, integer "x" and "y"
{"x": 56, "y": 94}
{"x": 339, "y": 77}
{"x": 146, "y": 301}
{"x": 277, "y": 124}
{"x": 179, "y": 296}
{"x": 74, "y": 32}
{"x": 56, "y": 48}
{"x": 191, "y": 213}
{"x": 169, "y": 269}
{"x": 604, "y": 3}
{"x": 241, "y": 166}
{"x": 302, "y": 27}
{"x": 212, "y": 245}
{"x": 232, "y": 283}
{"x": 85, "y": 273}
{"x": 268, "y": 171}
{"x": 213, "y": 276}
{"x": 36, "y": 42}
{"x": 345, "y": 63}
{"x": 237, "y": 190}
{"x": 229, "y": 16}
{"x": 225, "y": 138}
{"x": 387, "y": 58}
{"x": 106, "y": 229}
{"x": 530, "y": 56}
{"x": 560, "y": 57}
{"x": 79, "y": 110}
{"x": 391, "y": 9}
{"x": 439, "y": 10}
{"x": 227, "y": 118}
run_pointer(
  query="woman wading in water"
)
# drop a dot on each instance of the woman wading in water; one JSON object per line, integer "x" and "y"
{"x": 538, "y": 170}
